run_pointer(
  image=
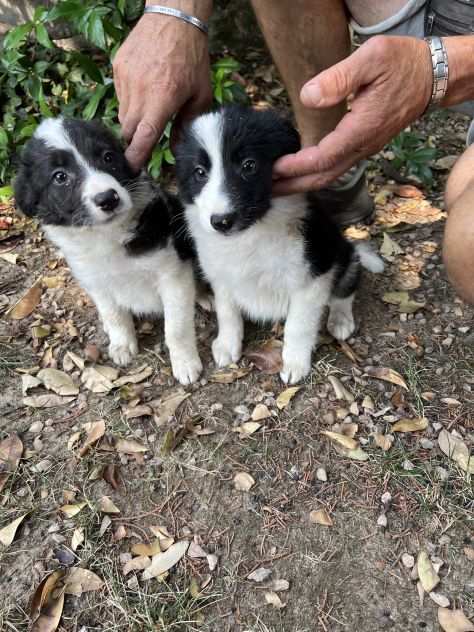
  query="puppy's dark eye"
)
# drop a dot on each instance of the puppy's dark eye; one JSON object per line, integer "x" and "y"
{"x": 60, "y": 177}
{"x": 249, "y": 167}
{"x": 200, "y": 174}
{"x": 108, "y": 157}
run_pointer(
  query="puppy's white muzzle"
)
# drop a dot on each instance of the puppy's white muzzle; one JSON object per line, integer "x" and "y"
{"x": 104, "y": 197}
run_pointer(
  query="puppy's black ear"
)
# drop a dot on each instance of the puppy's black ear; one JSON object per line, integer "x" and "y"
{"x": 26, "y": 197}
{"x": 287, "y": 139}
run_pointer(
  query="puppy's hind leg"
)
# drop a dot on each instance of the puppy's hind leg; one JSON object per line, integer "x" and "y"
{"x": 341, "y": 320}
{"x": 178, "y": 295}
{"x": 118, "y": 325}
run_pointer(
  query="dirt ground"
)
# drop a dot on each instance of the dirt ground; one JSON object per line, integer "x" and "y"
{"x": 351, "y": 574}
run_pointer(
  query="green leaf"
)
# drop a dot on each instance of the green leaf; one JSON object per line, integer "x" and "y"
{"x": 89, "y": 66}
{"x": 3, "y": 138}
{"x": 17, "y": 35}
{"x": 95, "y": 31}
{"x": 42, "y": 36}
{"x": 169, "y": 158}
{"x": 91, "y": 108}
{"x": 66, "y": 9}
{"x": 6, "y": 193}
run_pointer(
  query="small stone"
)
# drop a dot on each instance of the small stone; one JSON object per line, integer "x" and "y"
{"x": 42, "y": 466}
{"x": 36, "y": 427}
{"x": 437, "y": 426}
{"x": 260, "y": 575}
{"x": 428, "y": 396}
{"x": 464, "y": 330}
{"x": 382, "y": 521}
{"x": 408, "y": 560}
{"x": 426, "y": 444}
{"x": 321, "y": 474}
{"x": 408, "y": 465}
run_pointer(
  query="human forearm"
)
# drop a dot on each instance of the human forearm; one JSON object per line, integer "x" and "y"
{"x": 201, "y": 9}
{"x": 460, "y": 51}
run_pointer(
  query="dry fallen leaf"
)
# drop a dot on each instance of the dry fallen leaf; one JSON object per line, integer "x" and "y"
{"x": 99, "y": 379}
{"x": 74, "y": 359}
{"x": 48, "y": 602}
{"x": 387, "y": 375}
{"x": 383, "y": 441}
{"x": 58, "y": 381}
{"x": 428, "y": 576}
{"x": 129, "y": 446}
{"x": 147, "y": 550}
{"x": 340, "y": 390}
{"x": 166, "y": 408}
{"x": 320, "y": 516}
{"x": 454, "y": 621}
{"x": 77, "y": 538}
{"x": 27, "y": 303}
{"x": 413, "y": 211}
{"x": 267, "y": 358}
{"x": 285, "y": 397}
{"x": 274, "y": 600}
{"x": 358, "y": 454}
{"x": 136, "y": 564}
{"x": 260, "y": 412}
{"x": 81, "y": 580}
{"x": 457, "y": 450}
{"x": 229, "y": 375}
{"x": 72, "y": 510}
{"x": 243, "y": 482}
{"x": 7, "y": 534}
{"x": 106, "y": 505}
{"x": 260, "y": 575}
{"x": 402, "y": 299}
{"x": 389, "y": 246}
{"x": 27, "y": 382}
{"x": 95, "y": 430}
{"x": 248, "y": 428}
{"x": 111, "y": 475}
{"x": 410, "y": 425}
{"x": 134, "y": 378}
{"x": 11, "y": 450}
{"x": 47, "y": 401}
{"x": 164, "y": 561}
{"x": 343, "y": 440}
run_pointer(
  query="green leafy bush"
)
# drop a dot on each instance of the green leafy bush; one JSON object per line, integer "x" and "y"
{"x": 39, "y": 79}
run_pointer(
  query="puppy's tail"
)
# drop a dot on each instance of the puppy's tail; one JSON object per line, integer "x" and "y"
{"x": 368, "y": 259}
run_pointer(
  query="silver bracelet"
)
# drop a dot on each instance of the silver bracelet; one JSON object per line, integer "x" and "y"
{"x": 439, "y": 58}
{"x": 176, "y": 13}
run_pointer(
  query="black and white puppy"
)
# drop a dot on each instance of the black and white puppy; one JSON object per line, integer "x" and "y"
{"x": 122, "y": 237}
{"x": 267, "y": 258}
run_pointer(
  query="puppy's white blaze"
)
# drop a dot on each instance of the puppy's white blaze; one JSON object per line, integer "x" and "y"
{"x": 213, "y": 198}
{"x": 54, "y": 134}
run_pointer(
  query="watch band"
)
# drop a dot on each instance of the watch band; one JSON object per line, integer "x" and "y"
{"x": 439, "y": 58}
{"x": 176, "y": 13}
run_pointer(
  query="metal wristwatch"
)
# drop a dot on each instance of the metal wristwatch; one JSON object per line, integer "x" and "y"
{"x": 439, "y": 58}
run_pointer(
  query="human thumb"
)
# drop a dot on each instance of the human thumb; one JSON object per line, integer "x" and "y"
{"x": 333, "y": 85}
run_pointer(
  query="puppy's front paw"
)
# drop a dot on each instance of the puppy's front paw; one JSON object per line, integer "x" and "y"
{"x": 341, "y": 324}
{"x": 295, "y": 367}
{"x": 225, "y": 352}
{"x": 186, "y": 366}
{"x": 123, "y": 353}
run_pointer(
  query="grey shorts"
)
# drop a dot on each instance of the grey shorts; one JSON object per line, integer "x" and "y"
{"x": 411, "y": 20}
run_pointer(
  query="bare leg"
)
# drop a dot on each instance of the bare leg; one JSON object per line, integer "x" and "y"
{"x": 458, "y": 251}
{"x": 368, "y": 12}
{"x": 304, "y": 38}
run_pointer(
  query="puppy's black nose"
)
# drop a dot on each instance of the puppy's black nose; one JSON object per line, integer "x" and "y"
{"x": 107, "y": 200}
{"x": 223, "y": 223}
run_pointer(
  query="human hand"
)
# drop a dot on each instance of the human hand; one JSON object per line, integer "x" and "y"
{"x": 161, "y": 69}
{"x": 391, "y": 80}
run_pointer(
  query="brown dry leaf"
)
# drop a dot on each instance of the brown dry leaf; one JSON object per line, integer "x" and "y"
{"x": 77, "y": 538}
{"x": 402, "y": 299}
{"x": 10, "y": 257}
{"x": 229, "y": 375}
{"x": 147, "y": 549}
{"x": 469, "y": 553}
{"x": 267, "y": 358}
{"x": 81, "y": 580}
{"x": 48, "y": 602}
{"x": 407, "y": 276}
{"x": 342, "y": 440}
{"x": 72, "y": 510}
{"x": 349, "y": 351}
{"x": 111, "y": 475}
{"x": 243, "y": 482}
{"x": 248, "y": 428}
{"x": 99, "y": 379}
{"x": 389, "y": 247}
{"x": 11, "y": 450}
{"x": 75, "y": 360}
{"x": 349, "y": 430}
{"x": 383, "y": 441}
{"x": 406, "y": 191}
{"x": 136, "y": 564}
{"x": 285, "y": 397}
{"x": 415, "y": 211}
{"x": 274, "y": 600}
{"x": 410, "y": 425}
{"x": 387, "y": 375}
{"x": 27, "y": 382}
{"x": 428, "y": 576}
{"x": 163, "y": 536}
{"x": 134, "y": 378}
{"x": 166, "y": 408}
{"x": 73, "y": 439}
{"x": 132, "y": 412}
{"x": 320, "y": 516}
{"x": 47, "y": 401}
{"x": 129, "y": 446}
{"x": 106, "y": 505}
{"x": 457, "y": 450}
{"x": 7, "y": 534}
{"x": 58, "y": 381}
{"x": 95, "y": 430}
{"x": 27, "y": 303}
{"x": 164, "y": 561}
{"x": 340, "y": 390}
{"x": 454, "y": 621}
{"x": 357, "y": 455}
{"x": 260, "y": 412}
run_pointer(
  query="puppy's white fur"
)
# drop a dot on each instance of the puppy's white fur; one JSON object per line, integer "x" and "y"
{"x": 120, "y": 284}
